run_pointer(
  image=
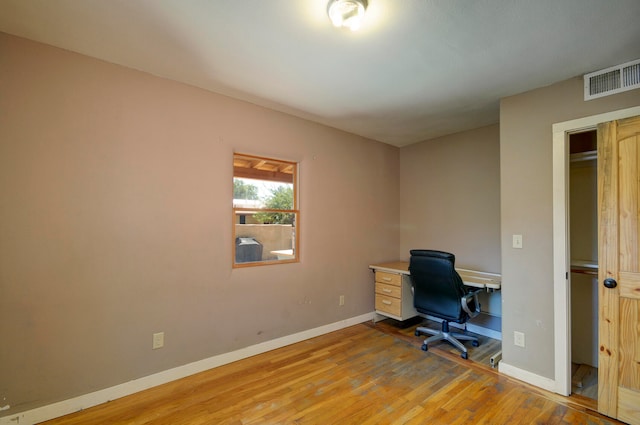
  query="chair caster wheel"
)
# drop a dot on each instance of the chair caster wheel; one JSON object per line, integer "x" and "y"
{"x": 464, "y": 356}
{"x": 475, "y": 343}
{"x": 417, "y": 333}
{"x": 424, "y": 347}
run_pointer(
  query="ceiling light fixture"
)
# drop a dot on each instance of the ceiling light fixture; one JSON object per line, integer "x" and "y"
{"x": 347, "y": 13}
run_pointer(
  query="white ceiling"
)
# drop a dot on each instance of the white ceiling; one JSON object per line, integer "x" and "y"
{"x": 418, "y": 69}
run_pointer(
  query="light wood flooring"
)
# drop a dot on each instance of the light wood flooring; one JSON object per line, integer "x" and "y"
{"x": 584, "y": 380}
{"x": 363, "y": 374}
{"x": 406, "y": 331}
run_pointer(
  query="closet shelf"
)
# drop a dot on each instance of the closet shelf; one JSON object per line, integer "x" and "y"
{"x": 583, "y": 156}
{"x": 589, "y": 267}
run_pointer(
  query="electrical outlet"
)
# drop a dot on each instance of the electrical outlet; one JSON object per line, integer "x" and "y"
{"x": 518, "y": 339}
{"x": 158, "y": 340}
{"x": 341, "y": 302}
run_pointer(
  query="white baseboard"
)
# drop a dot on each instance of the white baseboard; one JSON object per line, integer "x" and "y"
{"x": 528, "y": 377}
{"x": 85, "y": 401}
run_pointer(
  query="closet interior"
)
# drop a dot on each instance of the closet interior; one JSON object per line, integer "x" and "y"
{"x": 584, "y": 263}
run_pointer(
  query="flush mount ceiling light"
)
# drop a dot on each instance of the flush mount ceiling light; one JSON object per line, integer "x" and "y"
{"x": 347, "y": 13}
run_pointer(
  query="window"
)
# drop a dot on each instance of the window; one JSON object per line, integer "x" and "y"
{"x": 265, "y": 211}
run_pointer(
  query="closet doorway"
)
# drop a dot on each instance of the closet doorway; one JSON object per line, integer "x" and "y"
{"x": 562, "y": 252}
{"x": 583, "y": 248}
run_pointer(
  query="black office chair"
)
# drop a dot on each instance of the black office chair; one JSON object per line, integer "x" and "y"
{"x": 439, "y": 292}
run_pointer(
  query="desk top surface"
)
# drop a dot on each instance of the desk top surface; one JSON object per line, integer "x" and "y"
{"x": 473, "y": 278}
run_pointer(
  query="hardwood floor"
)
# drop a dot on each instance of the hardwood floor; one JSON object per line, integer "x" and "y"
{"x": 406, "y": 331}
{"x": 584, "y": 382}
{"x": 358, "y": 375}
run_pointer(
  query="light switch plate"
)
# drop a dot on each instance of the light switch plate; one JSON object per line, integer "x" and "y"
{"x": 517, "y": 241}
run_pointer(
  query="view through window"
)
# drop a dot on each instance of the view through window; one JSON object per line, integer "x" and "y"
{"x": 265, "y": 211}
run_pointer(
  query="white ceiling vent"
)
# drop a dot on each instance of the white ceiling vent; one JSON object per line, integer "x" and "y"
{"x": 612, "y": 80}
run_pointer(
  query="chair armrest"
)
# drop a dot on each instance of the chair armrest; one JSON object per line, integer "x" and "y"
{"x": 471, "y": 304}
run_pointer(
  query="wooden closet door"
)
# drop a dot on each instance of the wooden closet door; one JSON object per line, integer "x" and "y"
{"x": 619, "y": 269}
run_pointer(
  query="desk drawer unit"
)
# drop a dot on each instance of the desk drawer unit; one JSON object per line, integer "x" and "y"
{"x": 393, "y": 295}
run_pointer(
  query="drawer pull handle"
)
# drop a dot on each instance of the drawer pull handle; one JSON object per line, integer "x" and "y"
{"x": 388, "y": 291}
{"x": 386, "y": 279}
{"x": 387, "y": 302}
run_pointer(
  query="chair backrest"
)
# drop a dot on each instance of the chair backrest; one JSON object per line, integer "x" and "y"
{"x": 438, "y": 289}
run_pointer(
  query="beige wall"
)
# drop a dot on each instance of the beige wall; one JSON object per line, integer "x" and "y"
{"x": 450, "y": 200}
{"x": 526, "y": 209}
{"x": 115, "y": 223}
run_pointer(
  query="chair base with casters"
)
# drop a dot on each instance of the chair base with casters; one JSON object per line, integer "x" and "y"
{"x": 452, "y": 337}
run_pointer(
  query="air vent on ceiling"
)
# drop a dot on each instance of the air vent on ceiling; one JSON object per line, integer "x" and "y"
{"x": 612, "y": 80}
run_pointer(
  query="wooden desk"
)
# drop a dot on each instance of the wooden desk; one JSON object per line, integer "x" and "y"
{"x": 394, "y": 295}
